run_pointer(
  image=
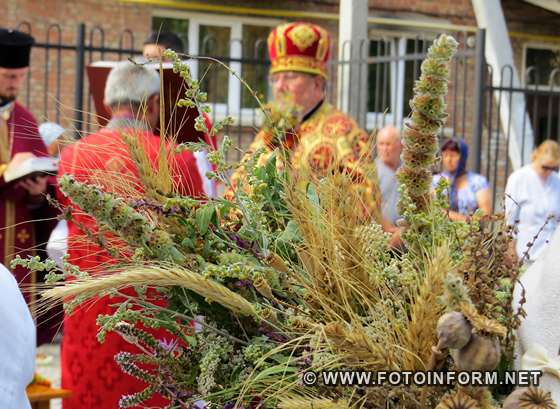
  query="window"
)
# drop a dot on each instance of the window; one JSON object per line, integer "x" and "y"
{"x": 214, "y": 41}
{"x": 379, "y": 77}
{"x": 238, "y": 42}
{"x": 393, "y": 66}
{"x": 255, "y": 69}
{"x": 541, "y": 65}
{"x": 412, "y": 69}
{"x": 541, "y": 69}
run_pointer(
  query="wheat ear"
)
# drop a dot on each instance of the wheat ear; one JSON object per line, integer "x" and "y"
{"x": 157, "y": 277}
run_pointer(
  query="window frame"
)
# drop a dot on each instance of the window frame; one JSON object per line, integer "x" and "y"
{"x": 243, "y": 116}
{"x": 398, "y": 41}
{"x": 524, "y": 68}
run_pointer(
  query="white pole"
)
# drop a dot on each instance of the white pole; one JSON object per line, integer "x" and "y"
{"x": 352, "y": 52}
{"x": 489, "y": 15}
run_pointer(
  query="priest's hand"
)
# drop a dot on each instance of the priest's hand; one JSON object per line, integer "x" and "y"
{"x": 35, "y": 186}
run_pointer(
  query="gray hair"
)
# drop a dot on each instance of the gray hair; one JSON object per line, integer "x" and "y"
{"x": 130, "y": 83}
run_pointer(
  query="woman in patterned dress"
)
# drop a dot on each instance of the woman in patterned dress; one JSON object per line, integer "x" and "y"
{"x": 468, "y": 191}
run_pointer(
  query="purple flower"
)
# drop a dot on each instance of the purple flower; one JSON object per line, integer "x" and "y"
{"x": 242, "y": 283}
{"x": 181, "y": 395}
{"x": 256, "y": 403}
{"x": 168, "y": 345}
{"x": 239, "y": 242}
{"x": 139, "y": 203}
{"x": 274, "y": 336}
{"x": 243, "y": 244}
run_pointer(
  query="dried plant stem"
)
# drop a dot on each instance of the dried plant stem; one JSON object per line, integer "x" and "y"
{"x": 428, "y": 115}
{"x": 157, "y": 277}
{"x": 425, "y": 310}
{"x": 310, "y": 403}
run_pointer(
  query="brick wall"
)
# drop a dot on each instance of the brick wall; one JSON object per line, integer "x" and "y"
{"x": 109, "y": 15}
{"x": 50, "y": 96}
{"x": 455, "y": 11}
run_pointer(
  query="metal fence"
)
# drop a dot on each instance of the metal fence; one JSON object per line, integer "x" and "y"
{"x": 387, "y": 64}
{"x": 536, "y": 121}
{"x": 57, "y": 72}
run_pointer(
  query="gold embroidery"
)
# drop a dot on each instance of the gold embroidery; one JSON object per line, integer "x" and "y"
{"x": 323, "y": 47}
{"x": 5, "y": 115}
{"x": 318, "y": 151}
{"x": 23, "y": 236}
{"x": 281, "y": 40}
{"x": 299, "y": 64}
{"x": 4, "y": 142}
{"x": 9, "y": 239}
{"x": 5, "y": 137}
{"x": 321, "y": 156}
{"x": 337, "y": 126}
{"x": 303, "y": 36}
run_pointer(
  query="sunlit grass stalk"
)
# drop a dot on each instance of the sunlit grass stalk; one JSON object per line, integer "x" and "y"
{"x": 428, "y": 115}
{"x": 172, "y": 276}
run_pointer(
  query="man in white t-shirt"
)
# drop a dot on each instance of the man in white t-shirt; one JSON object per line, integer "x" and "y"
{"x": 388, "y": 160}
{"x": 17, "y": 344}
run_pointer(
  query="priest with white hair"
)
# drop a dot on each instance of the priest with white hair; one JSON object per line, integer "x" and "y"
{"x": 104, "y": 159}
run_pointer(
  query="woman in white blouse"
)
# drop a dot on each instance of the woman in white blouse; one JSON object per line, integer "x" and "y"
{"x": 533, "y": 200}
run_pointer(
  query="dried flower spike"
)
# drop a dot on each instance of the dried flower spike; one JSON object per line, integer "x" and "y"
{"x": 428, "y": 114}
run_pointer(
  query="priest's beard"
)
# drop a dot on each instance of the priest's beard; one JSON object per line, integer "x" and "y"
{"x": 6, "y": 99}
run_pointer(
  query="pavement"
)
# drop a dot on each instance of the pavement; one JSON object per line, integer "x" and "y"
{"x": 49, "y": 367}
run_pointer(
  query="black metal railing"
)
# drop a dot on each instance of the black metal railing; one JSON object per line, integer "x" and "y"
{"x": 539, "y": 120}
{"x": 385, "y": 66}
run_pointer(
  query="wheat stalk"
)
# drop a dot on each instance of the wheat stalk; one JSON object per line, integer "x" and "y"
{"x": 298, "y": 402}
{"x": 425, "y": 311}
{"x": 158, "y": 277}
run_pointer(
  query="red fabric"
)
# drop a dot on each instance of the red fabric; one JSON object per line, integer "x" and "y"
{"x": 25, "y": 137}
{"x": 210, "y": 140}
{"x": 26, "y": 236}
{"x": 88, "y": 367}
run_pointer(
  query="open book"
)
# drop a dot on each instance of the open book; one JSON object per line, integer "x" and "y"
{"x": 31, "y": 167}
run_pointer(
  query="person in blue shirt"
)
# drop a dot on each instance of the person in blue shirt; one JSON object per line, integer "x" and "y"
{"x": 468, "y": 191}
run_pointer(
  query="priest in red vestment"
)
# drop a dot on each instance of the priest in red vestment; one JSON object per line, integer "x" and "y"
{"x": 132, "y": 94}
{"x": 22, "y": 202}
